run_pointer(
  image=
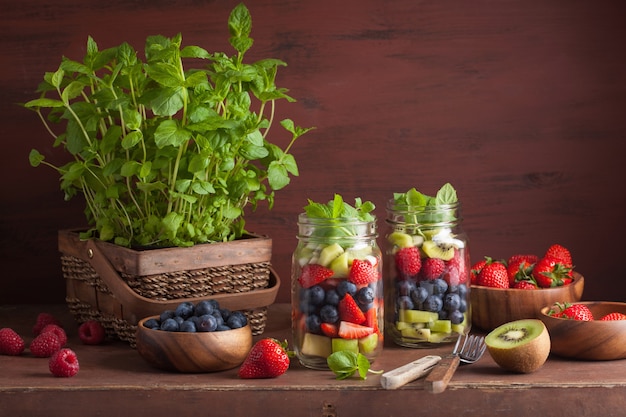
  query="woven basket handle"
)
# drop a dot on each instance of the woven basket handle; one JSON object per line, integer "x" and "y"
{"x": 135, "y": 306}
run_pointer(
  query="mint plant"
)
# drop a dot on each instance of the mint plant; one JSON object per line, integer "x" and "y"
{"x": 343, "y": 217}
{"x": 165, "y": 154}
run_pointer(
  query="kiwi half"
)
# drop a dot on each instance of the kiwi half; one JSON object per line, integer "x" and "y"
{"x": 441, "y": 250}
{"x": 519, "y": 346}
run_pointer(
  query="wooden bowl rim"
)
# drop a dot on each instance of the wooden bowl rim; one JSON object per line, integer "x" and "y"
{"x": 591, "y": 304}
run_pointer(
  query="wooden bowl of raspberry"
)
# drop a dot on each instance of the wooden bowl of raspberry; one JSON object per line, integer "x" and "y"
{"x": 210, "y": 345}
{"x": 492, "y": 307}
{"x": 591, "y": 330}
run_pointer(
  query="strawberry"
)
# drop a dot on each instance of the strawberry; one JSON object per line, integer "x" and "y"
{"x": 614, "y": 316}
{"x": 432, "y": 268}
{"x": 408, "y": 262}
{"x": 349, "y": 330}
{"x": 45, "y": 345}
{"x": 519, "y": 267}
{"x": 371, "y": 320}
{"x": 456, "y": 271}
{"x": 329, "y": 329}
{"x": 475, "y": 270}
{"x": 548, "y": 272}
{"x": 525, "y": 285}
{"x": 560, "y": 253}
{"x": 571, "y": 311}
{"x": 349, "y": 310}
{"x": 43, "y": 319}
{"x": 494, "y": 275}
{"x": 268, "y": 358}
{"x": 11, "y": 343}
{"x": 362, "y": 272}
{"x": 91, "y": 332}
{"x": 64, "y": 363}
{"x": 313, "y": 274}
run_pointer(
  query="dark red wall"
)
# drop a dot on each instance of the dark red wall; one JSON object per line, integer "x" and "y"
{"x": 520, "y": 104}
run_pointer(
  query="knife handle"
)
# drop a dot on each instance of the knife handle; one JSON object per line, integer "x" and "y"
{"x": 437, "y": 380}
{"x": 409, "y": 372}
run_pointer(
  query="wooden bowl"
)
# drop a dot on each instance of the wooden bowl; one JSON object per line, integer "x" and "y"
{"x": 492, "y": 307}
{"x": 588, "y": 340}
{"x": 193, "y": 352}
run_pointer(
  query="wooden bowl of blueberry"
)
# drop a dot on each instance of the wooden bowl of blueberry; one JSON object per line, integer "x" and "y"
{"x": 195, "y": 338}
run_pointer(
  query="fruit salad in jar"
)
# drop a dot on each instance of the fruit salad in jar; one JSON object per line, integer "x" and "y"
{"x": 427, "y": 269}
{"x": 337, "y": 286}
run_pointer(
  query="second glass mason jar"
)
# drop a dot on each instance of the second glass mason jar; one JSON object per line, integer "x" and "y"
{"x": 427, "y": 275}
{"x": 336, "y": 290}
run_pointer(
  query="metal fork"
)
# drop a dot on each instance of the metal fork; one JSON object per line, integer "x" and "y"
{"x": 469, "y": 351}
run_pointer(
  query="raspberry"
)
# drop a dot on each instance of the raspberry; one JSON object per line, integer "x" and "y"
{"x": 64, "y": 363}
{"x": 91, "y": 332}
{"x": 58, "y": 331}
{"x": 43, "y": 319}
{"x": 11, "y": 343}
{"x": 44, "y": 345}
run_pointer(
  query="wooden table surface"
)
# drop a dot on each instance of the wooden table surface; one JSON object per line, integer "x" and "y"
{"x": 114, "y": 379}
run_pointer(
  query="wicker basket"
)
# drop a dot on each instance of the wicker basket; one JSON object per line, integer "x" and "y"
{"x": 118, "y": 286}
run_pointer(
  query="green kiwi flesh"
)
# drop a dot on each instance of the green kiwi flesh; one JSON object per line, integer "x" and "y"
{"x": 519, "y": 346}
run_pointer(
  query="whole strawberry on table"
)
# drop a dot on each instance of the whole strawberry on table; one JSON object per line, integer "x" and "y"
{"x": 526, "y": 271}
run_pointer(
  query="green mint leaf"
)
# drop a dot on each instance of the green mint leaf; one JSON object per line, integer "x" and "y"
{"x": 338, "y": 209}
{"x": 343, "y": 363}
{"x": 35, "y": 158}
{"x": 363, "y": 365}
{"x": 446, "y": 195}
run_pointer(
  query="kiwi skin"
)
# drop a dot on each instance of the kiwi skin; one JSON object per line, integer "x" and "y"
{"x": 523, "y": 356}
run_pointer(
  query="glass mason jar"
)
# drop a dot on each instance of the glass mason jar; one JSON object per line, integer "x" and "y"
{"x": 427, "y": 275}
{"x": 336, "y": 290}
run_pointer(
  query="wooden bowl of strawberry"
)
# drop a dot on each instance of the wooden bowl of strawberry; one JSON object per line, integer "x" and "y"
{"x": 592, "y": 330}
{"x": 519, "y": 287}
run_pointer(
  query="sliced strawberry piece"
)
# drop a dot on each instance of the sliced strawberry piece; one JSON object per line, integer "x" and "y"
{"x": 349, "y": 330}
{"x": 350, "y": 311}
{"x": 313, "y": 274}
{"x": 371, "y": 319}
{"x": 362, "y": 272}
{"x": 329, "y": 329}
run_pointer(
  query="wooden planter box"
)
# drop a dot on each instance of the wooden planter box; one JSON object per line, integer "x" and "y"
{"x": 119, "y": 286}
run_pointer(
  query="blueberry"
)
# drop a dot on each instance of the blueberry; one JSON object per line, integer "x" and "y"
{"x": 443, "y": 315}
{"x": 332, "y": 297}
{"x": 207, "y": 323}
{"x": 315, "y": 295}
{"x": 218, "y": 316}
{"x": 169, "y": 325}
{"x": 365, "y": 296}
{"x": 346, "y": 287}
{"x": 184, "y": 310}
{"x": 329, "y": 314}
{"x": 463, "y": 306}
{"x": 204, "y": 307}
{"x": 456, "y": 317}
{"x": 419, "y": 295}
{"x": 152, "y": 324}
{"x": 404, "y": 302}
{"x": 188, "y": 326}
{"x": 225, "y": 313}
{"x": 236, "y": 320}
{"x": 440, "y": 286}
{"x": 462, "y": 290}
{"x": 178, "y": 320}
{"x": 222, "y": 327}
{"x": 433, "y": 303}
{"x": 313, "y": 322}
{"x": 452, "y": 302}
{"x": 167, "y": 314}
{"x": 406, "y": 287}
{"x": 306, "y": 307}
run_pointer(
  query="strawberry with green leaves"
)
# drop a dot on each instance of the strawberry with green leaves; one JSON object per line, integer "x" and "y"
{"x": 571, "y": 311}
{"x": 268, "y": 358}
{"x": 475, "y": 270}
{"x": 519, "y": 267}
{"x": 493, "y": 275}
{"x": 548, "y": 272}
{"x": 561, "y": 254}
